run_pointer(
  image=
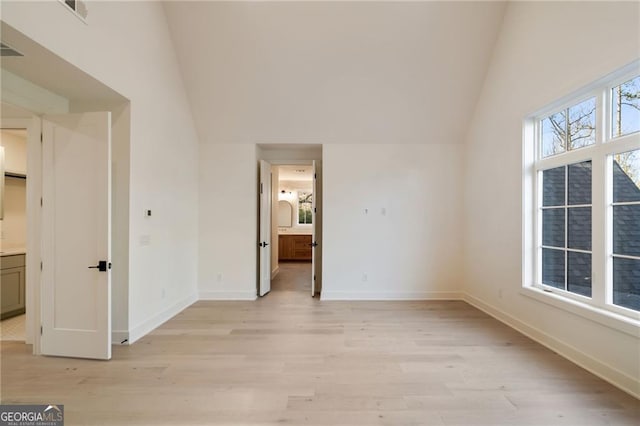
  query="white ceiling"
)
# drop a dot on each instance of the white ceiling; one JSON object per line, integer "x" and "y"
{"x": 299, "y": 172}
{"x": 333, "y": 72}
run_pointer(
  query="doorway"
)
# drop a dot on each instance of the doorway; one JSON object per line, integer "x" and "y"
{"x": 292, "y": 261}
{"x": 292, "y": 222}
{"x": 13, "y": 233}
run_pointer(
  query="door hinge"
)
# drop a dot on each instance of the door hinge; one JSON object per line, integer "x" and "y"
{"x": 314, "y": 277}
{"x": 261, "y": 187}
{"x": 41, "y": 330}
{"x": 40, "y": 201}
{"x": 315, "y": 210}
{"x": 315, "y": 176}
{"x": 41, "y": 137}
{"x": 41, "y": 266}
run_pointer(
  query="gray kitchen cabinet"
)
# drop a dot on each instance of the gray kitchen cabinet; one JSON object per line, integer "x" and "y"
{"x": 12, "y": 281}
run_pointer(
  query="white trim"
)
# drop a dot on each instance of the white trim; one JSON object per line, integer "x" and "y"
{"x": 604, "y": 371}
{"x": 275, "y": 271}
{"x": 622, "y": 323}
{"x": 400, "y": 295}
{"x": 227, "y": 295}
{"x": 147, "y": 326}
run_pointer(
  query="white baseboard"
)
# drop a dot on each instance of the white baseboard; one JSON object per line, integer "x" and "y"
{"x": 157, "y": 320}
{"x": 412, "y": 295}
{"x": 227, "y": 295}
{"x": 275, "y": 272}
{"x": 119, "y": 337}
{"x": 604, "y": 371}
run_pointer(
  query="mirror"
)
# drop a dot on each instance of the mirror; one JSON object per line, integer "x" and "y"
{"x": 285, "y": 213}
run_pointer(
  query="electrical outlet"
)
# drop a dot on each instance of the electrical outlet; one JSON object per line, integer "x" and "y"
{"x": 145, "y": 240}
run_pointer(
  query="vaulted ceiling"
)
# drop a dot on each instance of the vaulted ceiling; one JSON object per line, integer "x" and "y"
{"x": 333, "y": 72}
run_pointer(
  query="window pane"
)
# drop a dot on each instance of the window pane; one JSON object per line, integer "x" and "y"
{"x": 626, "y": 176}
{"x": 579, "y": 228}
{"x": 553, "y": 227}
{"x": 554, "y": 130}
{"x": 582, "y": 124}
{"x": 304, "y": 208}
{"x": 580, "y": 183}
{"x": 553, "y": 267}
{"x": 626, "y": 283}
{"x": 625, "y": 108}
{"x": 626, "y": 229}
{"x": 579, "y": 273}
{"x": 553, "y": 187}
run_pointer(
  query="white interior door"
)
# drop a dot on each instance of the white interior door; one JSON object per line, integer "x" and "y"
{"x": 76, "y": 235}
{"x": 264, "y": 257}
{"x": 314, "y": 242}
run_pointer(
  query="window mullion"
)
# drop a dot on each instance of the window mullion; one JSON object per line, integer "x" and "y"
{"x": 599, "y": 231}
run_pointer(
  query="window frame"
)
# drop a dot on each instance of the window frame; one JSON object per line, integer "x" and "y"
{"x": 298, "y": 207}
{"x": 599, "y": 306}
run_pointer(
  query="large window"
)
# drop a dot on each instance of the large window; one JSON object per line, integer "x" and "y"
{"x": 584, "y": 187}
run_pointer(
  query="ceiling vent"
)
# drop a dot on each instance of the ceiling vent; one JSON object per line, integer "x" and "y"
{"x": 78, "y": 7}
{"x": 6, "y": 50}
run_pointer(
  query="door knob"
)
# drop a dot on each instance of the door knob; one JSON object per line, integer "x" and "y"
{"x": 102, "y": 266}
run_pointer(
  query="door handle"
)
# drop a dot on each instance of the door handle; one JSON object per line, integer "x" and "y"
{"x": 102, "y": 266}
{"x": 263, "y": 244}
{"x": 314, "y": 244}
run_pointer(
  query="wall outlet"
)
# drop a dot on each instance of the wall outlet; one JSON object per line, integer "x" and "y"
{"x": 145, "y": 240}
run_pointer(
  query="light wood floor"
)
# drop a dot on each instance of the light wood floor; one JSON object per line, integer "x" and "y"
{"x": 290, "y": 359}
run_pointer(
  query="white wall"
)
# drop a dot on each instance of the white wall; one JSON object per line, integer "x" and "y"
{"x": 413, "y": 249}
{"x": 545, "y": 51}
{"x": 127, "y": 47}
{"x": 228, "y": 221}
{"x": 15, "y": 150}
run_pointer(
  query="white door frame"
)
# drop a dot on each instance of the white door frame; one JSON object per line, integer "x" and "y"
{"x": 34, "y": 222}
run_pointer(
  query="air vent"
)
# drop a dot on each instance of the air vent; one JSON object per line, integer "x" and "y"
{"x": 6, "y": 50}
{"x": 78, "y": 7}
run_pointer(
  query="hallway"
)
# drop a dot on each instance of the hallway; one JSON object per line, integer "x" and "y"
{"x": 293, "y": 276}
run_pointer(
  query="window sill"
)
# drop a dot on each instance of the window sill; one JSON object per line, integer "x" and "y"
{"x": 610, "y": 319}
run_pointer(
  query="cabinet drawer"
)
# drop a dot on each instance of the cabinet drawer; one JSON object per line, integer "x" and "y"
{"x": 13, "y": 261}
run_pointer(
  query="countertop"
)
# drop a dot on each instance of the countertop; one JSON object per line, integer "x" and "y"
{"x": 12, "y": 251}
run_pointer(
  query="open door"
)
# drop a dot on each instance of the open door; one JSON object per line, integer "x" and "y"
{"x": 76, "y": 235}
{"x": 264, "y": 255}
{"x": 314, "y": 241}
